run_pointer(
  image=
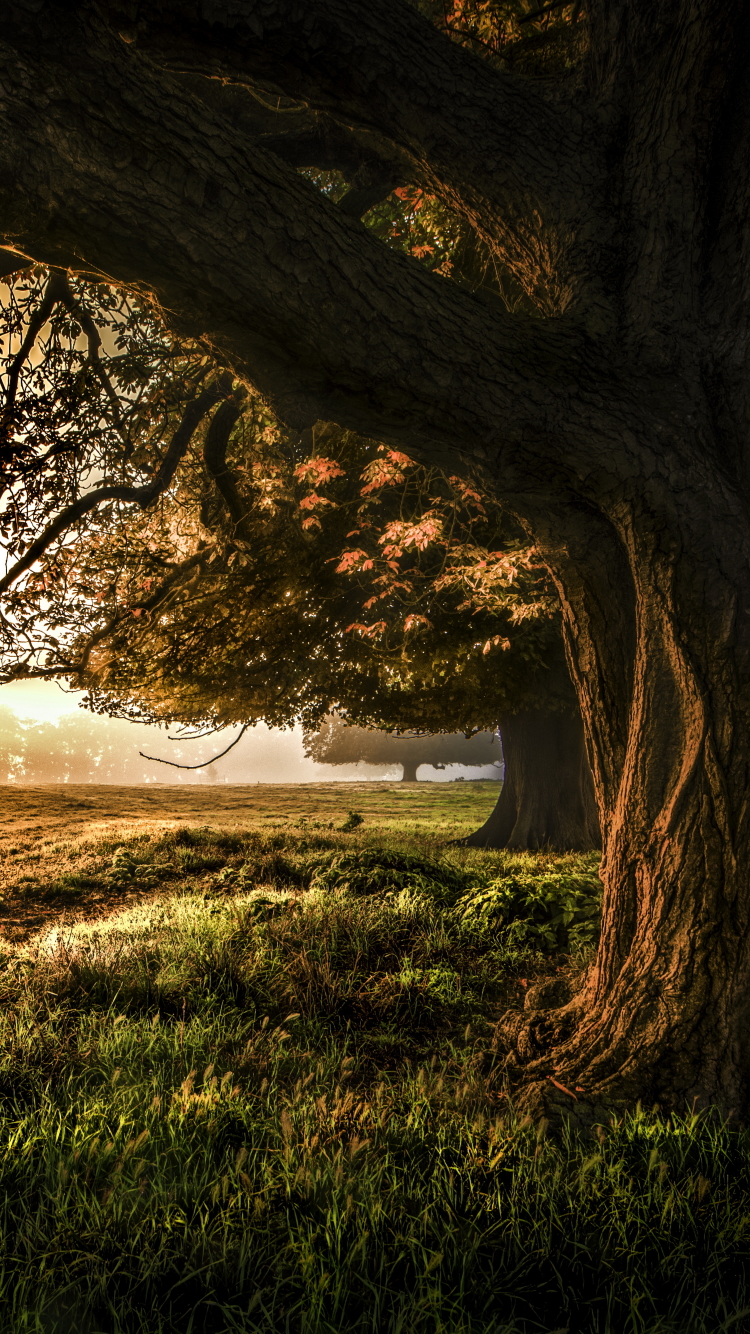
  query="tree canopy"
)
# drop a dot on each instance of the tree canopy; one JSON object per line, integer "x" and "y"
{"x": 210, "y": 574}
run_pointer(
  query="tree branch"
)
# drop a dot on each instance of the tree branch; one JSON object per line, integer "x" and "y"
{"x": 245, "y": 254}
{"x": 214, "y": 457}
{"x": 205, "y": 763}
{"x": 494, "y": 145}
{"x": 143, "y": 496}
{"x": 10, "y": 262}
{"x": 305, "y": 138}
{"x": 52, "y": 294}
{"x": 94, "y": 342}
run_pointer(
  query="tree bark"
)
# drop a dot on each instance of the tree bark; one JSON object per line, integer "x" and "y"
{"x": 663, "y": 1015}
{"x": 410, "y": 771}
{"x": 547, "y": 800}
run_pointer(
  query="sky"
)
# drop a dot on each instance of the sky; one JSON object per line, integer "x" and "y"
{"x": 265, "y": 755}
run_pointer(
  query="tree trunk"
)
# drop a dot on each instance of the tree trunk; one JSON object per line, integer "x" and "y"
{"x": 410, "y": 771}
{"x": 547, "y": 800}
{"x": 664, "y": 1015}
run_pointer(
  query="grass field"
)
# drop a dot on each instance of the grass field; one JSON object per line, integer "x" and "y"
{"x": 251, "y": 1082}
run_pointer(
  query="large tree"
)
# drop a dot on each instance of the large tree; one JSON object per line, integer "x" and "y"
{"x": 159, "y": 144}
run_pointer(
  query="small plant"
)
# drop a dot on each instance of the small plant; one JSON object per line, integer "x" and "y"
{"x": 126, "y": 870}
{"x": 352, "y": 821}
{"x": 380, "y": 871}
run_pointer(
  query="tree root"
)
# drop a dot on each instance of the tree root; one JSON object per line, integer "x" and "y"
{"x": 530, "y": 1038}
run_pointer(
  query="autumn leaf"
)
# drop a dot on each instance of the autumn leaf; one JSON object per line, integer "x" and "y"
{"x": 352, "y": 560}
{"x": 318, "y": 470}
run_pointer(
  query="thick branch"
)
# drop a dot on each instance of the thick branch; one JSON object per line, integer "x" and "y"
{"x": 10, "y": 262}
{"x": 245, "y": 253}
{"x": 214, "y": 457}
{"x": 509, "y": 156}
{"x": 338, "y": 56}
{"x": 305, "y": 138}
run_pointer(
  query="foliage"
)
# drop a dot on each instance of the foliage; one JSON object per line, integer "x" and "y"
{"x": 555, "y": 910}
{"x": 95, "y": 389}
{"x": 239, "y": 1107}
{"x": 273, "y": 627}
{"x": 236, "y": 595}
{"x": 388, "y": 873}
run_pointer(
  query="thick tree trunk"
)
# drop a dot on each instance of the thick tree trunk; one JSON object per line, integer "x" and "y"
{"x": 547, "y": 799}
{"x": 410, "y": 771}
{"x": 664, "y": 1014}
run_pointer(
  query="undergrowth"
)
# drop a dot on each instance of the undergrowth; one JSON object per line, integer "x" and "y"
{"x": 270, "y": 1098}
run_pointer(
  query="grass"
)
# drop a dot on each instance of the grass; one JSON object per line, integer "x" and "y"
{"x": 268, "y": 1097}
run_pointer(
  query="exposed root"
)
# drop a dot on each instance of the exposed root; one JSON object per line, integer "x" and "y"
{"x": 532, "y": 1039}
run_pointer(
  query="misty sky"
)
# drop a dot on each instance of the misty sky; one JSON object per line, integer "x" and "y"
{"x": 265, "y": 755}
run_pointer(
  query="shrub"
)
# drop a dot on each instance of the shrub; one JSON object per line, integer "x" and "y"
{"x": 556, "y": 910}
{"x": 380, "y": 871}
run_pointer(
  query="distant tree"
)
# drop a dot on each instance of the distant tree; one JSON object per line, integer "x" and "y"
{"x": 337, "y": 743}
{"x": 11, "y": 745}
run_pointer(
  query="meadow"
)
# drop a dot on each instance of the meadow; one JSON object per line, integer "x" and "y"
{"x": 250, "y": 1080}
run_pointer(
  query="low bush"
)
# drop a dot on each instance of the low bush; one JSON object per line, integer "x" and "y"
{"x": 555, "y": 910}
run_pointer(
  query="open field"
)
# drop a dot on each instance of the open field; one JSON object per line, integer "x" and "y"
{"x": 46, "y": 833}
{"x": 250, "y": 1080}
{"x": 57, "y": 809}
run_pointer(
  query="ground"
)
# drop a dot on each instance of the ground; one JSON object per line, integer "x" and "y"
{"x": 44, "y": 829}
{"x": 251, "y": 1081}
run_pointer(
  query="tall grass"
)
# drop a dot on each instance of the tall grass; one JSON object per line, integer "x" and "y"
{"x": 271, "y": 1099}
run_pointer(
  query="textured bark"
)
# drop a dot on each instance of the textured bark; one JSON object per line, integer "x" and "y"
{"x": 617, "y": 428}
{"x": 547, "y": 799}
{"x": 664, "y": 1012}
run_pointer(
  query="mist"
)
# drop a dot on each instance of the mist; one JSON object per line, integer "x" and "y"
{"x": 45, "y": 738}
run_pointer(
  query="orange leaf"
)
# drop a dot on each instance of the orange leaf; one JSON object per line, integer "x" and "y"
{"x": 562, "y": 1088}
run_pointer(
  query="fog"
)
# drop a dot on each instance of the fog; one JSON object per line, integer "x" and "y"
{"x": 46, "y": 738}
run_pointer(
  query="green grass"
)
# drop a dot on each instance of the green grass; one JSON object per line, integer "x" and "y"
{"x": 270, "y": 1098}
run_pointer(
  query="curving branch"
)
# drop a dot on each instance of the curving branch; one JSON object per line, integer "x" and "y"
{"x": 242, "y": 252}
{"x": 347, "y": 57}
{"x": 214, "y": 457}
{"x": 68, "y": 299}
{"x": 143, "y": 496}
{"x": 174, "y": 765}
{"x": 301, "y": 137}
{"x": 495, "y": 146}
{"x": 53, "y": 293}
